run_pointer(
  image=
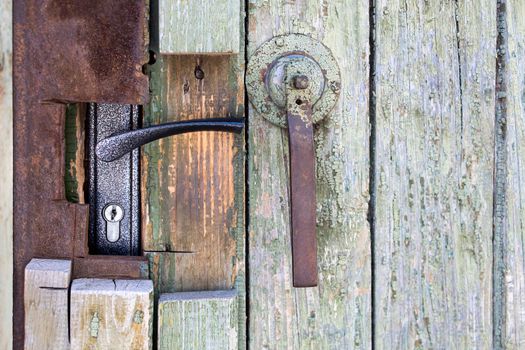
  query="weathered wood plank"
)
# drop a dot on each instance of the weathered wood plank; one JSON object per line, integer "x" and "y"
{"x": 6, "y": 177}
{"x": 111, "y": 314}
{"x": 193, "y": 185}
{"x": 435, "y": 76}
{"x": 203, "y": 26}
{"x": 198, "y": 320}
{"x": 512, "y": 27}
{"x": 46, "y": 304}
{"x": 75, "y": 137}
{"x": 337, "y": 314}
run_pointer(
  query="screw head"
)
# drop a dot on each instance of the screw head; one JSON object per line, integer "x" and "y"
{"x": 279, "y": 42}
{"x": 335, "y": 86}
{"x": 301, "y": 82}
{"x": 264, "y": 109}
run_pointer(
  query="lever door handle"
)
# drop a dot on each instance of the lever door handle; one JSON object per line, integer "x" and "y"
{"x": 294, "y": 82}
{"x": 113, "y": 171}
{"x": 117, "y": 145}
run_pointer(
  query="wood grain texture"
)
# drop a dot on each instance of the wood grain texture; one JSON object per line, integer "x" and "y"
{"x": 435, "y": 79}
{"x": 337, "y": 314}
{"x": 111, "y": 314}
{"x": 198, "y": 320}
{"x": 6, "y": 177}
{"x": 512, "y": 28}
{"x": 75, "y": 144}
{"x": 46, "y": 304}
{"x": 199, "y": 26}
{"x": 193, "y": 185}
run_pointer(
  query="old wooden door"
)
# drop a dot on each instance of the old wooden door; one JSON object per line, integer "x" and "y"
{"x": 420, "y": 240}
{"x": 418, "y": 219}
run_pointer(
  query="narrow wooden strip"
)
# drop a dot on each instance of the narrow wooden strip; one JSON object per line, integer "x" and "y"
{"x": 46, "y": 304}
{"x": 111, "y": 314}
{"x": 109, "y": 266}
{"x": 207, "y": 26}
{"x": 198, "y": 320}
{"x": 511, "y": 219}
{"x": 6, "y": 176}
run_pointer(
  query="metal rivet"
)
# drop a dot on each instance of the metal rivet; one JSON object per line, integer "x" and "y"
{"x": 279, "y": 42}
{"x": 335, "y": 86}
{"x": 301, "y": 82}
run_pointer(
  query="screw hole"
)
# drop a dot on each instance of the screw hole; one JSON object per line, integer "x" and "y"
{"x": 299, "y": 102}
{"x": 199, "y": 73}
{"x": 152, "y": 57}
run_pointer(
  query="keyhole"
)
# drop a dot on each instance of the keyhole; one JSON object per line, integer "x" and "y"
{"x": 113, "y": 212}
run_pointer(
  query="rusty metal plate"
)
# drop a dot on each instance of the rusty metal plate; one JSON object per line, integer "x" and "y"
{"x": 118, "y": 267}
{"x": 84, "y": 51}
{"x": 67, "y": 50}
{"x": 320, "y": 65}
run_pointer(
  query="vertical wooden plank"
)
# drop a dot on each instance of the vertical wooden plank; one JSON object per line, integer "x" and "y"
{"x": 75, "y": 140}
{"x": 46, "y": 304}
{"x": 6, "y": 177}
{"x": 512, "y": 120}
{"x": 335, "y": 315}
{"x": 193, "y": 184}
{"x": 198, "y": 320}
{"x": 204, "y": 26}
{"x": 435, "y": 78}
{"x": 111, "y": 314}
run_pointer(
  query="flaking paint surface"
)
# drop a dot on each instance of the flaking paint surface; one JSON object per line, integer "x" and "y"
{"x": 435, "y": 76}
{"x": 337, "y": 314}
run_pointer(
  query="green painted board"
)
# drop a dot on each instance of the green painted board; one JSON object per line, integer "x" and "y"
{"x": 6, "y": 176}
{"x": 198, "y": 320}
{"x": 337, "y": 313}
{"x": 199, "y": 26}
{"x": 510, "y": 227}
{"x": 435, "y": 64}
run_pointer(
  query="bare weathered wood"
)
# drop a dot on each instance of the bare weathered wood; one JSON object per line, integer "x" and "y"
{"x": 193, "y": 185}
{"x": 75, "y": 139}
{"x": 435, "y": 77}
{"x": 111, "y": 314}
{"x": 198, "y": 320}
{"x": 202, "y": 26}
{"x": 511, "y": 220}
{"x": 46, "y": 304}
{"x": 6, "y": 177}
{"x": 337, "y": 314}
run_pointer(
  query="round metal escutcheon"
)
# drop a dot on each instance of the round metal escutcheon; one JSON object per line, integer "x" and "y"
{"x": 265, "y": 81}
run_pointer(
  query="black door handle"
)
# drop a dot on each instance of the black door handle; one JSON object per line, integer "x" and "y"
{"x": 117, "y": 145}
{"x": 114, "y": 139}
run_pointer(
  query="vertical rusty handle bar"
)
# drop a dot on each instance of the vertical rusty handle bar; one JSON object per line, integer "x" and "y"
{"x": 302, "y": 184}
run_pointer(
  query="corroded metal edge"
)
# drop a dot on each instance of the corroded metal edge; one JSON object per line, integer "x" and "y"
{"x": 76, "y": 51}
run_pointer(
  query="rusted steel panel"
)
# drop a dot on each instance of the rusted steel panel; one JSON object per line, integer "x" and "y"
{"x": 68, "y": 50}
{"x": 84, "y": 51}
{"x": 121, "y": 267}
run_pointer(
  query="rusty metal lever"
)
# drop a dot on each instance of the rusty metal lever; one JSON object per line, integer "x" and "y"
{"x": 302, "y": 182}
{"x": 117, "y": 145}
{"x": 294, "y": 82}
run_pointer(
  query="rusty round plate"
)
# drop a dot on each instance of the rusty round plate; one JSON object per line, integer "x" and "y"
{"x": 315, "y": 60}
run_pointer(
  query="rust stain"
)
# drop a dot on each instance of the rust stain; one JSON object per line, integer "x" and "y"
{"x": 78, "y": 51}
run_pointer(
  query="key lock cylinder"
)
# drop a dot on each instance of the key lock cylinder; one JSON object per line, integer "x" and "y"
{"x": 294, "y": 82}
